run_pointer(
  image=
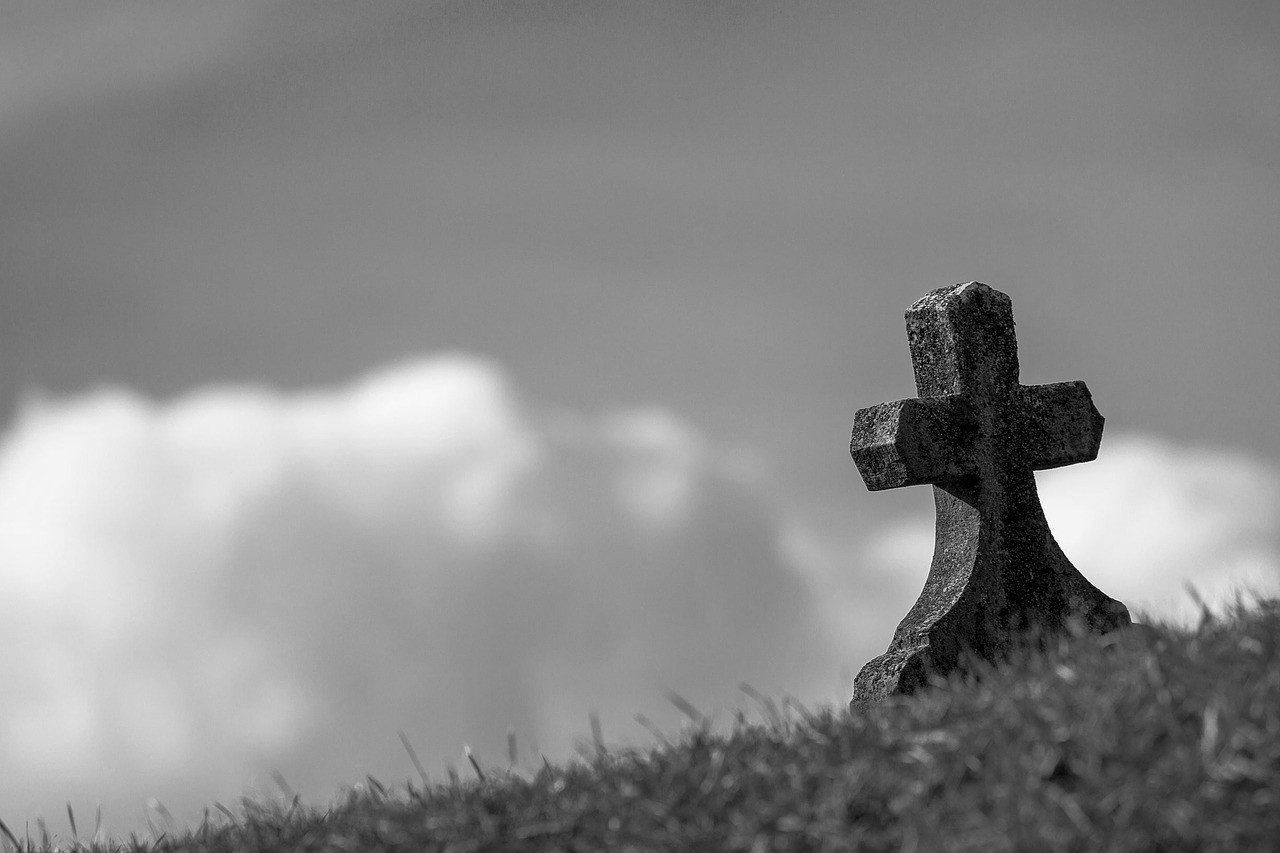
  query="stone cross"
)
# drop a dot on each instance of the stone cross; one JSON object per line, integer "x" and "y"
{"x": 978, "y": 436}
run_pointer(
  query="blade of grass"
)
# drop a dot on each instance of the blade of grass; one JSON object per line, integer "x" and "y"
{"x": 686, "y": 708}
{"x": 1206, "y": 615}
{"x": 770, "y": 708}
{"x": 475, "y": 764}
{"x": 653, "y": 730}
{"x": 378, "y": 787}
{"x": 413, "y": 756}
{"x": 283, "y": 784}
{"x": 597, "y": 734}
{"x": 9, "y": 836}
{"x": 161, "y": 810}
{"x": 226, "y": 811}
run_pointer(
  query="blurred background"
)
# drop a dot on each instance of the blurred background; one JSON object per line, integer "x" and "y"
{"x": 454, "y": 367}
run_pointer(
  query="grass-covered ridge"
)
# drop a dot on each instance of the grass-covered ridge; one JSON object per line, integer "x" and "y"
{"x": 1156, "y": 740}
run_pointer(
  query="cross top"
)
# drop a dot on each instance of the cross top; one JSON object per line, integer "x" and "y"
{"x": 977, "y": 435}
{"x": 972, "y": 414}
{"x": 962, "y": 340}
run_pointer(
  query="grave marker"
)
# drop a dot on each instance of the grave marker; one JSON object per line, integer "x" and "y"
{"x": 978, "y": 436}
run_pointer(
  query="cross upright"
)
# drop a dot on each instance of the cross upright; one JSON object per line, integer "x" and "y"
{"x": 977, "y": 436}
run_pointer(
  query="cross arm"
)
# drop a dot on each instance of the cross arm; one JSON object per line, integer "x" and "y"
{"x": 915, "y": 441}
{"x": 1060, "y": 425}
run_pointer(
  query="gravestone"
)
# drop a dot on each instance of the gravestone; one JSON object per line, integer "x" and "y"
{"x": 977, "y": 436}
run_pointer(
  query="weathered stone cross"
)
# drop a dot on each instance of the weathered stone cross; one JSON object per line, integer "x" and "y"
{"x": 978, "y": 436}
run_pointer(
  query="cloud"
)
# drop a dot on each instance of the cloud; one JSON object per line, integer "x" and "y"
{"x": 1148, "y": 517}
{"x": 202, "y": 591}
{"x": 1143, "y": 520}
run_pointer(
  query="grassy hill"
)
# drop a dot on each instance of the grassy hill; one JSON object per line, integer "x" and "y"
{"x": 1160, "y": 740}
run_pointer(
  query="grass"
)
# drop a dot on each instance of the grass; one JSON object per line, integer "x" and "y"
{"x": 1158, "y": 740}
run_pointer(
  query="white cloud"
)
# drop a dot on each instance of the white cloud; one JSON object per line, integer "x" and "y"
{"x": 1142, "y": 521}
{"x": 202, "y": 591}
{"x": 1148, "y": 517}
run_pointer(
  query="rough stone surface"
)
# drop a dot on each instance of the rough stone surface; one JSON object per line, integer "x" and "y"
{"x": 978, "y": 436}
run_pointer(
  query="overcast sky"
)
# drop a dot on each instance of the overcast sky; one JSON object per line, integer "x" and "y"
{"x": 450, "y": 367}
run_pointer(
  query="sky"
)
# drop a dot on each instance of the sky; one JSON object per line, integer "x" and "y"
{"x": 462, "y": 368}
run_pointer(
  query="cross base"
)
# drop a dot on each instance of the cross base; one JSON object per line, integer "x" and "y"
{"x": 986, "y": 593}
